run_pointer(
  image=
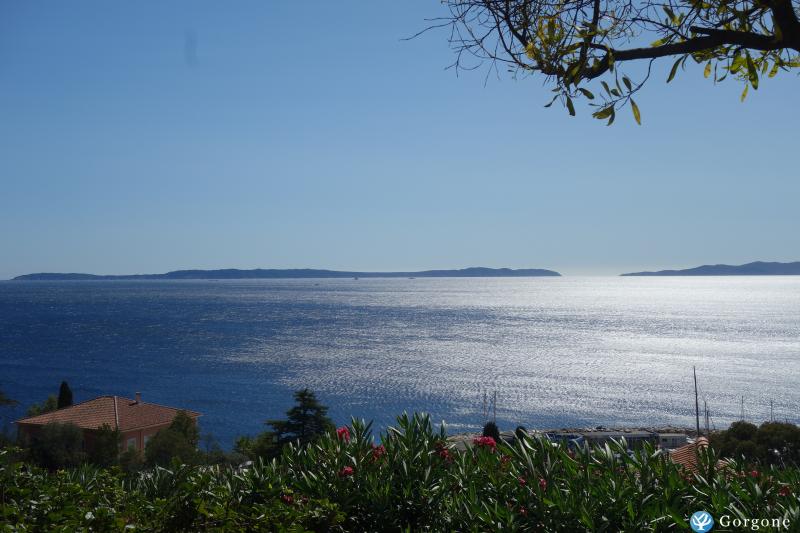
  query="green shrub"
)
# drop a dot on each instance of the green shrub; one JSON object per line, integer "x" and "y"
{"x": 263, "y": 446}
{"x": 771, "y": 443}
{"x": 306, "y": 421}
{"x": 104, "y": 451}
{"x": 178, "y": 442}
{"x": 57, "y": 446}
{"x": 5, "y": 401}
{"x": 64, "y": 395}
{"x": 50, "y": 404}
{"x": 131, "y": 461}
{"x": 490, "y": 429}
{"x": 414, "y": 480}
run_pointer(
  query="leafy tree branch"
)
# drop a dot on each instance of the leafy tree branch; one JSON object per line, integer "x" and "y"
{"x": 572, "y": 43}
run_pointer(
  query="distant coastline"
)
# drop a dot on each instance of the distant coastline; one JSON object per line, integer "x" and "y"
{"x": 757, "y": 268}
{"x": 298, "y": 273}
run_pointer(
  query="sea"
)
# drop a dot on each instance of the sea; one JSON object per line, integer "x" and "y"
{"x": 536, "y": 352}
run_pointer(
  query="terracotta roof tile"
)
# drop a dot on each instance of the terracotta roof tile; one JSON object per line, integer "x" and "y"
{"x": 686, "y": 456}
{"x": 116, "y": 411}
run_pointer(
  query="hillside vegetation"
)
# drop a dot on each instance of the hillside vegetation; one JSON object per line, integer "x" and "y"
{"x": 408, "y": 479}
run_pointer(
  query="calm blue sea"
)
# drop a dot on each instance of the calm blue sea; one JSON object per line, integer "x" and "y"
{"x": 558, "y": 351}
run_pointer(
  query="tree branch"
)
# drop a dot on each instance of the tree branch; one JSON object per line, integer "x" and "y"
{"x": 712, "y": 38}
{"x": 786, "y": 21}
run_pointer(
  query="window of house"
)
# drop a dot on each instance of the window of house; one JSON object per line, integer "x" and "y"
{"x": 132, "y": 443}
{"x": 146, "y": 440}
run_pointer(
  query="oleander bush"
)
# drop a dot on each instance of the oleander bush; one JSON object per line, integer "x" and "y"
{"x": 410, "y": 479}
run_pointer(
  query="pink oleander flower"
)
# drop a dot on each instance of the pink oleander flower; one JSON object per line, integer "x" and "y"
{"x": 343, "y": 433}
{"x": 287, "y": 499}
{"x": 785, "y": 491}
{"x": 444, "y": 453}
{"x": 347, "y": 471}
{"x": 754, "y": 473}
{"x": 378, "y": 452}
{"x": 522, "y": 481}
{"x": 485, "y": 442}
{"x": 543, "y": 483}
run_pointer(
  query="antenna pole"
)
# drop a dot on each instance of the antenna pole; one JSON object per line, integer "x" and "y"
{"x": 494, "y": 408}
{"x": 696, "y": 402}
{"x": 771, "y": 411}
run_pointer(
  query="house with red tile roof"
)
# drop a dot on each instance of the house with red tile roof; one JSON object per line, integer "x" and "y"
{"x": 687, "y": 455}
{"x": 137, "y": 421}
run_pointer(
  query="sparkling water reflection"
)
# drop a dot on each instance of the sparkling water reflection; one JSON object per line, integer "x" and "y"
{"x": 559, "y": 351}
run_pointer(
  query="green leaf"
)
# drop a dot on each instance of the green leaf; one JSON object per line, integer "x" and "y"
{"x": 572, "y": 73}
{"x": 570, "y": 107}
{"x": 636, "y": 113}
{"x": 744, "y": 93}
{"x": 752, "y": 73}
{"x": 674, "y": 70}
{"x": 603, "y": 113}
{"x": 707, "y": 71}
{"x": 774, "y": 71}
{"x": 737, "y": 64}
{"x": 627, "y": 82}
{"x": 587, "y": 93}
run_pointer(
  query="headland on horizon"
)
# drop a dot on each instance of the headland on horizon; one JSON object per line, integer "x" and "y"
{"x": 756, "y": 268}
{"x": 295, "y": 273}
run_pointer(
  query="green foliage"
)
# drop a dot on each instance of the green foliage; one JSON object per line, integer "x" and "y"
{"x": 574, "y": 44}
{"x": 6, "y": 438}
{"x": 490, "y": 429}
{"x": 57, "y": 446}
{"x": 782, "y": 438}
{"x": 130, "y": 461}
{"x": 64, "y": 395}
{"x": 50, "y": 404}
{"x": 168, "y": 445}
{"x": 263, "y": 446}
{"x": 305, "y": 421}
{"x": 186, "y": 426}
{"x": 413, "y": 481}
{"x": 771, "y": 443}
{"x": 5, "y": 401}
{"x": 105, "y": 444}
{"x": 178, "y": 442}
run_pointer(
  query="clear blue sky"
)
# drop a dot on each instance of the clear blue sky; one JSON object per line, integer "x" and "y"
{"x": 308, "y": 134}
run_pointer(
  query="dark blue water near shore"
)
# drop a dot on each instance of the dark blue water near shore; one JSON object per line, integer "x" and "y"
{"x": 170, "y": 340}
{"x": 559, "y": 351}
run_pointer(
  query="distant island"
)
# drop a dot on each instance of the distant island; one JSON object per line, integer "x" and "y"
{"x": 299, "y": 273}
{"x": 758, "y": 268}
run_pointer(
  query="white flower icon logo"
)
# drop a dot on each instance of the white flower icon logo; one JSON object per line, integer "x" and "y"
{"x": 701, "y": 522}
